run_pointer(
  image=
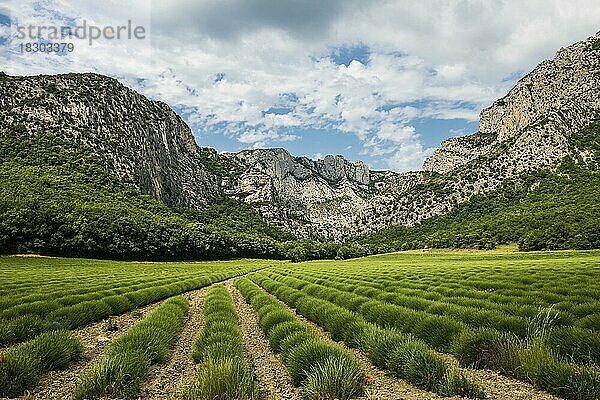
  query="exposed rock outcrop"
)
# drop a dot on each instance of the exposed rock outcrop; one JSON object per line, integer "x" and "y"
{"x": 534, "y": 121}
{"x": 146, "y": 144}
{"x": 310, "y": 198}
{"x": 528, "y": 129}
{"x": 142, "y": 142}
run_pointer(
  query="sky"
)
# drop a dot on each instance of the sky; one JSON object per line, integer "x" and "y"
{"x": 383, "y": 81}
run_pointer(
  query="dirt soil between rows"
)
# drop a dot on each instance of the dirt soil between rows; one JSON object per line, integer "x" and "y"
{"x": 387, "y": 387}
{"x": 96, "y": 337}
{"x": 274, "y": 381}
{"x": 170, "y": 379}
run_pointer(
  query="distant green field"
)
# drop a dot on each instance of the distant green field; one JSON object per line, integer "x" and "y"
{"x": 515, "y": 284}
{"x": 512, "y": 284}
{"x": 38, "y": 294}
{"x": 531, "y": 316}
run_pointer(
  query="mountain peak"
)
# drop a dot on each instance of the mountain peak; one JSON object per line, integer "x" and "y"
{"x": 536, "y": 117}
{"x": 147, "y": 145}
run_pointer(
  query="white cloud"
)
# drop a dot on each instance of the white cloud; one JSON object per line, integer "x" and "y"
{"x": 396, "y": 134}
{"x": 408, "y": 156}
{"x": 436, "y": 59}
{"x": 261, "y": 139}
{"x": 399, "y": 145}
{"x": 452, "y": 72}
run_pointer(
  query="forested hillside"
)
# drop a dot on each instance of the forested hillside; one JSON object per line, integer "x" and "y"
{"x": 55, "y": 199}
{"x": 556, "y": 208}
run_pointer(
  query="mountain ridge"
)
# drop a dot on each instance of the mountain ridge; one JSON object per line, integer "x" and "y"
{"x": 527, "y": 130}
{"x": 146, "y": 145}
{"x": 101, "y": 113}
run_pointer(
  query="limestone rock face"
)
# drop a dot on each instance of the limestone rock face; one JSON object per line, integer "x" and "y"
{"x": 147, "y": 145}
{"x": 528, "y": 129}
{"x": 536, "y": 118}
{"x": 142, "y": 142}
{"x": 455, "y": 152}
{"x": 305, "y": 196}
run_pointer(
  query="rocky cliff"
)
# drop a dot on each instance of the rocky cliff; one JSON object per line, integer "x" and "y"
{"x": 310, "y": 198}
{"x": 530, "y": 127}
{"x": 142, "y": 142}
{"x": 149, "y": 146}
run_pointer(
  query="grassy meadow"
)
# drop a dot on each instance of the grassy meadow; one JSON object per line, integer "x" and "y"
{"x": 427, "y": 317}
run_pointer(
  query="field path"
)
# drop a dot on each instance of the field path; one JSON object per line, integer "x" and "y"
{"x": 501, "y": 387}
{"x": 95, "y": 337}
{"x": 168, "y": 380}
{"x": 274, "y": 381}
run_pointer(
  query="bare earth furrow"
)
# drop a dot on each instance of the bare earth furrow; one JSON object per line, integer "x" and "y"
{"x": 168, "y": 380}
{"x": 274, "y": 381}
{"x": 96, "y": 337}
{"x": 382, "y": 386}
{"x": 501, "y": 387}
{"x": 386, "y": 387}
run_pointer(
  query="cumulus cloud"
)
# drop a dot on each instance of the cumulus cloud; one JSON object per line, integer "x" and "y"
{"x": 261, "y": 139}
{"x": 257, "y": 70}
{"x": 400, "y": 146}
{"x": 452, "y": 72}
{"x": 396, "y": 134}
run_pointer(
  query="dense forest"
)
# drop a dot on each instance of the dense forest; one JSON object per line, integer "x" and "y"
{"x": 56, "y": 199}
{"x": 548, "y": 210}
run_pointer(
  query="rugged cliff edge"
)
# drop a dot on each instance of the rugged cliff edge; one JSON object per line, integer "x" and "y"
{"x": 140, "y": 141}
{"x": 147, "y": 145}
{"x": 529, "y": 129}
{"x": 310, "y": 198}
{"x": 531, "y": 126}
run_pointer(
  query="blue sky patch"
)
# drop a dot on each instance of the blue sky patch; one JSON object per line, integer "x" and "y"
{"x": 433, "y": 131}
{"x": 4, "y": 19}
{"x": 278, "y": 110}
{"x": 220, "y": 76}
{"x": 346, "y": 54}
